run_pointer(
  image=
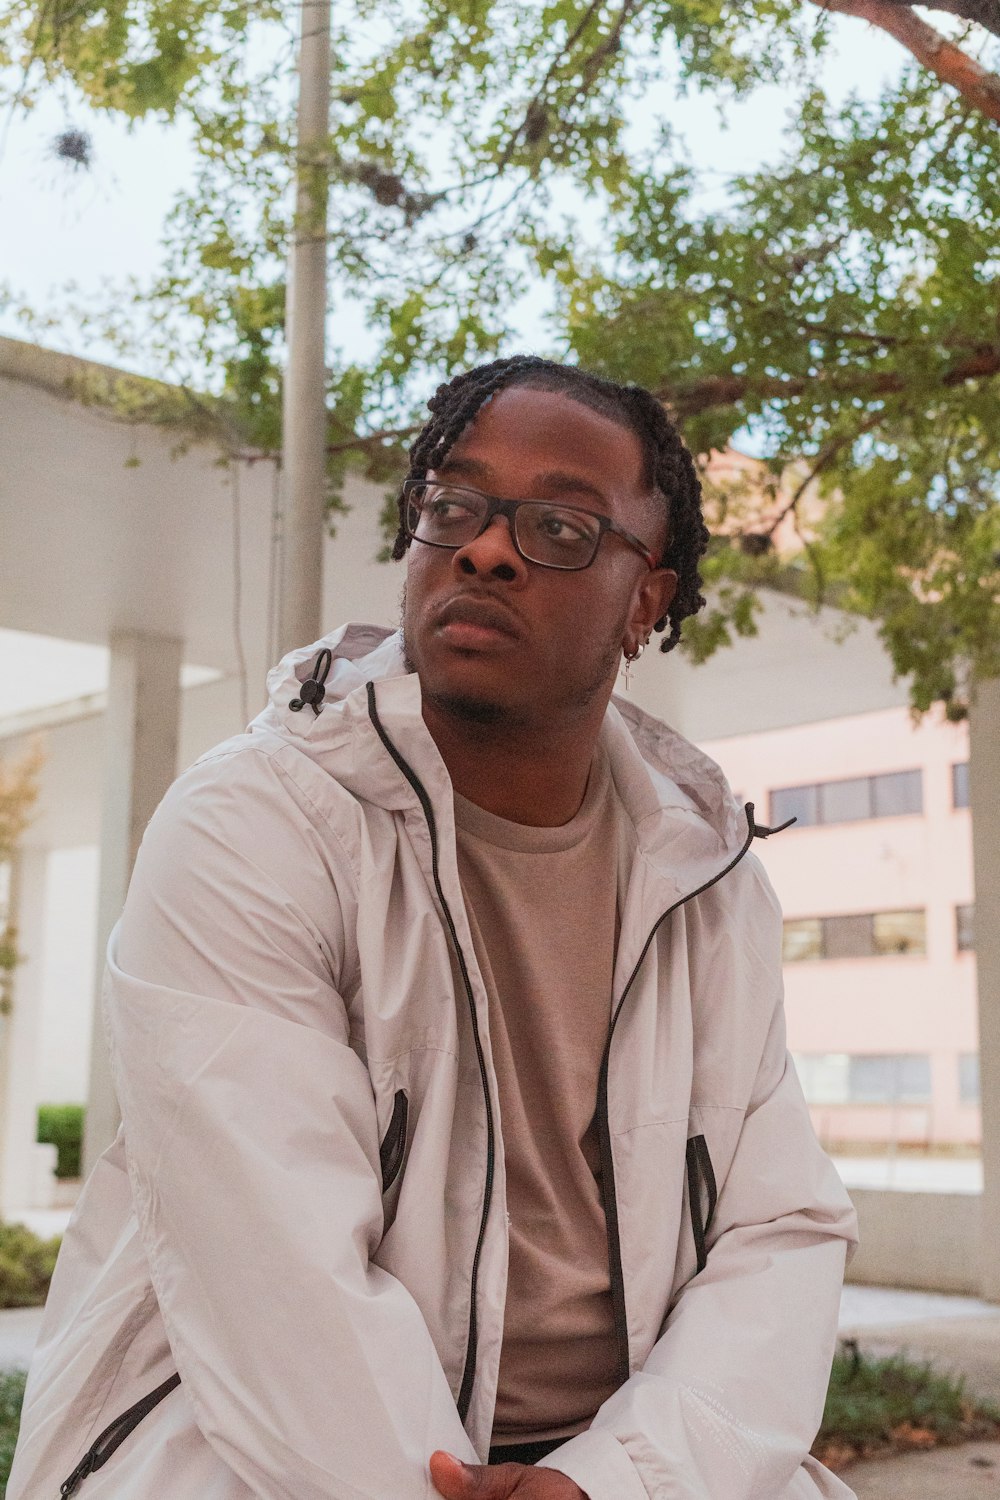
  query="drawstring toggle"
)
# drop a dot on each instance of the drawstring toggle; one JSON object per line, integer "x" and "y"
{"x": 312, "y": 690}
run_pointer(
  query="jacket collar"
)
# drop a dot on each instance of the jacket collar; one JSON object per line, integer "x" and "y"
{"x": 685, "y": 816}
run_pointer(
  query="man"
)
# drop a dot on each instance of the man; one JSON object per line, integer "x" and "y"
{"x": 460, "y": 1153}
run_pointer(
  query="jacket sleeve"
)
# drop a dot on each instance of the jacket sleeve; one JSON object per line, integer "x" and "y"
{"x": 253, "y": 1151}
{"x": 731, "y": 1396}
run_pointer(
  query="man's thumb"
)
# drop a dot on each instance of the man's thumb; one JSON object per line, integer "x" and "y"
{"x": 457, "y": 1481}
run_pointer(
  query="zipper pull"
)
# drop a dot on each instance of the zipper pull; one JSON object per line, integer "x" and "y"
{"x": 83, "y": 1468}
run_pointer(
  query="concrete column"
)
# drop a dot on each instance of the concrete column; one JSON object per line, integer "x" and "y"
{"x": 141, "y": 732}
{"x": 984, "y": 803}
{"x": 20, "y": 1032}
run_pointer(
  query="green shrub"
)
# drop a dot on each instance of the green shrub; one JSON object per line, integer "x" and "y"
{"x": 11, "y": 1396}
{"x": 61, "y": 1125}
{"x": 878, "y": 1404}
{"x": 26, "y": 1266}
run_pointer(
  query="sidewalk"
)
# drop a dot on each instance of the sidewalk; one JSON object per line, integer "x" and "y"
{"x": 960, "y": 1335}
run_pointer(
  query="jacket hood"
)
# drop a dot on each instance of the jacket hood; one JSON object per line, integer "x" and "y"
{"x": 656, "y": 770}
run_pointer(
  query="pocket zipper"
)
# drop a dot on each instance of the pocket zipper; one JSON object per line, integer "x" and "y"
{"x": 114, "y": 1435}
{"x": 393, "y": 1148}
{"x": 699, "y": 1169}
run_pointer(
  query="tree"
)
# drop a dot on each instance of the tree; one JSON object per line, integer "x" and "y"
{"x": 842, "y": 309}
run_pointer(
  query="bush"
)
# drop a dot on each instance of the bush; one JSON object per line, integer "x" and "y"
{"x": 26, "y": 1266}
{"x": 11, "y": 1396}
{"x": 879, "y": 1404}
{"x": 61, "y": 1125}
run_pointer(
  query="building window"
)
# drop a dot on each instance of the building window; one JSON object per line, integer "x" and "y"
{"x": 823, "y": 1076}
{"x": 799, "y": 802}
{"x": 848, "y": 937}
{"x": 892, "y": 795}
{"x": 898, "y": 794}
{"x": 899, "y": 932}
{"x": 968, "y": 1077}
{"x": 965, "y": 940}
{"x": 903, "y": 1078}
{"x": 960, "y": 784}
{"x": 882, "y": 1078}
{"x": 878, "y": 934}
{"x": 845, "y": 801}
{"x": 802, "y": 939}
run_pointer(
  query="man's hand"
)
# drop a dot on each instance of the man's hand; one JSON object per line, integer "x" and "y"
{"x": 458, "y": 1481}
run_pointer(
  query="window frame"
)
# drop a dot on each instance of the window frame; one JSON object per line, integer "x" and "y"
{"x": 813, "y": 791}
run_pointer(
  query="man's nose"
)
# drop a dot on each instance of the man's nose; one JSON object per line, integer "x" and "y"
{"x": 493, "y": 552}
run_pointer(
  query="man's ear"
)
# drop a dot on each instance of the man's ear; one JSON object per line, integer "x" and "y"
{"x": 654, "y": 597}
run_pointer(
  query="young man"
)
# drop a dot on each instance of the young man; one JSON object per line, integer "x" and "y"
{"x": 461, "y": 1155}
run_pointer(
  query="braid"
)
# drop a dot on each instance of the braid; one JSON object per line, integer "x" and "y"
{"x": 669, "y": 465}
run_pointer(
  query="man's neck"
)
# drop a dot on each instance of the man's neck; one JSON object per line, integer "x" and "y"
{"x": 535, "y": 777}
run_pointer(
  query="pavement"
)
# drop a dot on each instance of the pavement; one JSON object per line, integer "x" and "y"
{"x": 959, "y": 1334}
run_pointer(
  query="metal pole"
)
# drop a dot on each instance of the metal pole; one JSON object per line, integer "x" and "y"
{"x": 304, "y": 395}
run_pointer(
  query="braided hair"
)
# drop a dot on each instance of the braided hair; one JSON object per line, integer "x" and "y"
{"x": 669, "y": 465}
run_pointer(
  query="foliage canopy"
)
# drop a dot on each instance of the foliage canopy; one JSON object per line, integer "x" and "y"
{"x": 498, "y": 166}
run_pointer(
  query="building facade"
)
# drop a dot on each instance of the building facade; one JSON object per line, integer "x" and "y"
{"x": 875, "y": 878}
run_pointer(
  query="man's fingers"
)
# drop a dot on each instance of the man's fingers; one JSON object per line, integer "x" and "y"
{"x": 458, "y": 1481}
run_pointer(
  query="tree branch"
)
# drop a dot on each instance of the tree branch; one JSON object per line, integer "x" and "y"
{"x": 713, "y": 391}
{"x": 984, "y": 12}
{"x": 934, "y": 51}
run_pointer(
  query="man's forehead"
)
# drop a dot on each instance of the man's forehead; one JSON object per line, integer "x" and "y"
{"x": 554, "y": 481}
{"x": 553, "y": 434}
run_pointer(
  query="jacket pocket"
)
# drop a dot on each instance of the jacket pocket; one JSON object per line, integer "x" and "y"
{"x": 393, "y": 1147}
{"x": 700, "y": 1175}
{"x": 114, "y": 1435}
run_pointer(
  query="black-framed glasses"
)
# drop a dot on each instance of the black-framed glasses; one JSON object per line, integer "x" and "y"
{"x": 544, "y": 531}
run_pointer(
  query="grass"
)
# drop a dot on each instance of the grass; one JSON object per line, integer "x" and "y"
{"x": 879, "y": 1405}
{"x": 11, "y": 1395}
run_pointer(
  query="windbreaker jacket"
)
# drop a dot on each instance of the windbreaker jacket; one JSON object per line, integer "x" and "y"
{"x": 303, "y": 1216}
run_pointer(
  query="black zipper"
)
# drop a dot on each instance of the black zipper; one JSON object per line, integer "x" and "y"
{"x": 619, "y": 1310}
{"x": 393, "y": 1147}
{"x": 114, "y": 1435}
{"x": 700, "y": 1170}
{"x": 469, "y": 1373}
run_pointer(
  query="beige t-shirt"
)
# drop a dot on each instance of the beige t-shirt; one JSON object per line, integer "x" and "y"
{"x": 543, "y": 907}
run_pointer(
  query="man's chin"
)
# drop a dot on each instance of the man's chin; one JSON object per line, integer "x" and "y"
{"x": 470, "y": 708}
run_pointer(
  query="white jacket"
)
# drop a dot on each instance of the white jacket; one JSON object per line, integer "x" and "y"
{"x": 304, "y": 1212}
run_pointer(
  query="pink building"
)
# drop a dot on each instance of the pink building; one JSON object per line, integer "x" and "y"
{"x": 877, "y": 889}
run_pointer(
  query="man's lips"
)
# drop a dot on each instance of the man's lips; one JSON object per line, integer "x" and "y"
{"x": 468, "y": 619}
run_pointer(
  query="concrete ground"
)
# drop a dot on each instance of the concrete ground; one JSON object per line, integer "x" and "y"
{"x": 971, "y": 1472}
{"x": 959, "y": 1335}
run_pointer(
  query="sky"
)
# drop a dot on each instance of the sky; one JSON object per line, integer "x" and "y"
{"x": 62, "y": 227}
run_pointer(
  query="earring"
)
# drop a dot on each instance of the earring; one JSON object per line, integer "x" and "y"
{"x": 630, "y": 657}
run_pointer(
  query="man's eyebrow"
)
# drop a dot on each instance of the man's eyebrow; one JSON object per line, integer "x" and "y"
{"x": 470, "y": 466}
{"x": 555, "y": 482}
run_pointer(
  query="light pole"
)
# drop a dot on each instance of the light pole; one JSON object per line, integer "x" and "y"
{"x": 304, "y": 394}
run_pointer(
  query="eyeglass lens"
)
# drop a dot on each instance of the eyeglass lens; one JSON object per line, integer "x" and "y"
{"x": 557, "y": 536}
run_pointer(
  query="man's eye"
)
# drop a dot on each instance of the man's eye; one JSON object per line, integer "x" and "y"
{"x": 563, "y": 528}
{"x": 448, "y": 508}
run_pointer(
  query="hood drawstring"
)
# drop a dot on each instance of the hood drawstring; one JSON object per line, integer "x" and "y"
{"x": 760, "y": 830}
{"x": 312, "y": 690}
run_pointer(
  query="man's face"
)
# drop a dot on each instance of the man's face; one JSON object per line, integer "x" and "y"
{"x": 497, "y": 639}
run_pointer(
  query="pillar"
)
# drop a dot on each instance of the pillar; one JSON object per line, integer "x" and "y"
{"x": 20, "y": 1032}
{"x": 141, "y": 735}
{"x": 984, "y": 803}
